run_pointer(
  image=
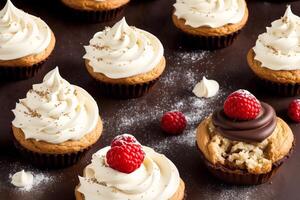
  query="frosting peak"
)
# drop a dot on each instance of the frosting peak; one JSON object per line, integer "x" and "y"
{"x": 211, "y": 13}
{"x": 123, "y": 51}
{"x": 278, "y": 48}
{"x": 247, "y": 131}
{"x": 119, "y": 28}
{"x": 21, "y": 34}
{"x": 156, "y": 179}
{"x": 56, "y": 111}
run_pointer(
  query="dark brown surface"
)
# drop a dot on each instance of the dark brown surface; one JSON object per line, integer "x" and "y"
{"x": 228, "y": 66}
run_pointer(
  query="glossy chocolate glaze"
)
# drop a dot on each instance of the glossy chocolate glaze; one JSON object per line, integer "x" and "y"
{"x": 246, "y": 131}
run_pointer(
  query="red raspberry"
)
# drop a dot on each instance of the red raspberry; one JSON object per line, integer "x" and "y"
{"x": 173, "y": 122}
{"x": 294, "y": 110}
{"x": 125, "y": 156}
{"x": 242, "y": 105}
{"x": 123, "y": 139}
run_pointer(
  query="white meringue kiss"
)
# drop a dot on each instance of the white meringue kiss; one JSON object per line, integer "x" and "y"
{"x": 22, "y": 179}
{"x": 206, "y": 88}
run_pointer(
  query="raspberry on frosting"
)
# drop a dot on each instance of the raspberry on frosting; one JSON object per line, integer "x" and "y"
{"x": 126, "y": 154}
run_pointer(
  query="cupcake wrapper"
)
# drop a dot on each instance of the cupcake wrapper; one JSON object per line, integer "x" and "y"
{"x": 122, "y": 91}
{"x": 282, "y": 89}
{"x": 19, "y": 73}
{"x": 243, "y": 178}
{"x": 97, "y": 16}
{"x": 50, "y": 161}
{"x": 212, "y": 42}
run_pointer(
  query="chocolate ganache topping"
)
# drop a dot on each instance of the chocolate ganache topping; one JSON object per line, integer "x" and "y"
{"x": 255, "y": 130}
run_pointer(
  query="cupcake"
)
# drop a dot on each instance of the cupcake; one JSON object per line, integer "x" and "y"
{"x": 125, "y": 61}
{"x": 127, "y": 170}
{"x": 275, "y": 58}
{"x": 26, "y": 42}
{"x": 244, "y": 142}
{"x": 210, "y": 25}
{"x": 56, "y": 123}
{"x": 96, "y": 10}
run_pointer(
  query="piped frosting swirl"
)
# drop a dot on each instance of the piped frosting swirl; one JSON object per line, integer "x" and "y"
{"x": 55, "y": 111}
{"x": 246, "y": 131}
{"x": 278, "y": 48}
{"x": 156, "y": 179}
{"x": 123, "y": 51}
{"x": 212, "y": 13}
{"x": 21, "y": 34}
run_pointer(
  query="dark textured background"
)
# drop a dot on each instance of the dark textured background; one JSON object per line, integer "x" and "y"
{"x": 141, "y": 116}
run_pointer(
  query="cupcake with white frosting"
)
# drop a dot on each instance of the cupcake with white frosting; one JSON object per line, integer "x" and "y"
{"x": 275, "y": 58}
{"x": 56, "y": 122}
{"x": 26, "y": 42}
{"x": 96, "y": 10}
{"x": 127, "y": 170}
{"x": 125, "y": 60}
{"x": 214, "y": 24}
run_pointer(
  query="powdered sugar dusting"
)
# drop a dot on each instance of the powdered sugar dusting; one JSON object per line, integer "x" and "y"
{"x": 195, "y": 109}
{"x": 189, "y": 57}
{"x": 144, "y": 113}
{"x": 41, "y": 179}
{"x": 227, "y": 192}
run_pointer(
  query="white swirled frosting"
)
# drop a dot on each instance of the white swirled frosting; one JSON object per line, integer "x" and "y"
{"x": 21, "y": 34}
{"x": 56, "y": 111}
{"x": 123, "y": 51}
{"x": 279, "y": 47}
{"x": 156, "y": 179}
{"x": 211, "y": 13}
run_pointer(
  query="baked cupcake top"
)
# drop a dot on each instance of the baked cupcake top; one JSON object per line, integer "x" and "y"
{"x": 278, "y": 48}
{"x": 55, "y": 111}
{"x": 123, "y": 51}
{"x": 154, "y": 176}
{"x": 214, "y": 14}
{"x": 21, "y": 34}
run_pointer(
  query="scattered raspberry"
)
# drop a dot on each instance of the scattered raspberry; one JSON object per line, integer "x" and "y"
{"x": 242, "y": 105}
{"x": 294, "y": 110}
{"x": 126, "y": 155}
{"x": 173, "y": 122}
{"x": 122, "y": 139}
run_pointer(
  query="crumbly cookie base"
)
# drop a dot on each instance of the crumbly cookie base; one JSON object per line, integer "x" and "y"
{"x": 92, "y": 5}
{"x": 62, "y": 148}
{"x": 277, "y": 76}
{"x": 137, "y": 79}
{"x": 31, "y": 60}
{"x": 207, "y": 31}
